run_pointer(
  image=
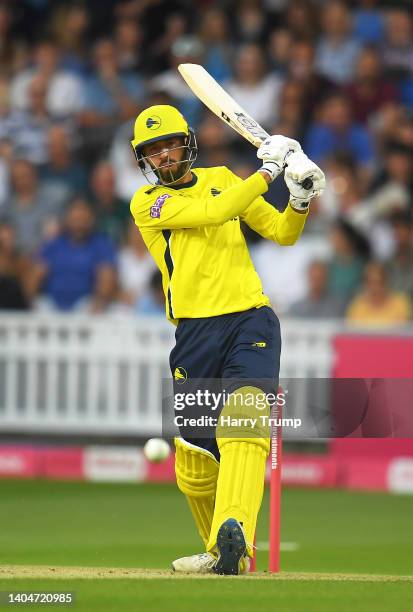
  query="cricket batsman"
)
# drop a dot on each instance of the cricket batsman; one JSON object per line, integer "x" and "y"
{"x": 190, "y": 219}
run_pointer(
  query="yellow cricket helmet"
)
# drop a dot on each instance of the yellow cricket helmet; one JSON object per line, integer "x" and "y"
{"x": 158, "y": 123}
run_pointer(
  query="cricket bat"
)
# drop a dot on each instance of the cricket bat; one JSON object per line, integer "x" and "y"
{"x": 226, "y": 108}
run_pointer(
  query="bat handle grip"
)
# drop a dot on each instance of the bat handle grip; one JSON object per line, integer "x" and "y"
{"x": 307, "y": 183}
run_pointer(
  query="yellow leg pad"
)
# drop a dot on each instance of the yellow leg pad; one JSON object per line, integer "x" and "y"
{"x": 240, "y": 488}
{"x": 196, "y": 475}
{"x": 243, "y": 449}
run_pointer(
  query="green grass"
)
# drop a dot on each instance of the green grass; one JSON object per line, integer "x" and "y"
{"x": 118, "y": 525}
{"x": 194, "y": 594}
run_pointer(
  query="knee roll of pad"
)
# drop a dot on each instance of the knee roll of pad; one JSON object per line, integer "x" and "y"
{"x": 196, "y": 469}
{"x": 244, "y": 418}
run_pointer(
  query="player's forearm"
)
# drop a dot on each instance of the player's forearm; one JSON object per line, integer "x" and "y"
{"x": 233, "y": 201}
{"x": 289, "y": 226}
{"x": 266, "y": 176}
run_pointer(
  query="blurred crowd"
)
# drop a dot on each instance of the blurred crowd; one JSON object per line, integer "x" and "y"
{"x": 337, "y": 76}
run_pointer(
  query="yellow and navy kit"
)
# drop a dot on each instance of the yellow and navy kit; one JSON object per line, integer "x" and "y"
{"x": 193, "y": 232}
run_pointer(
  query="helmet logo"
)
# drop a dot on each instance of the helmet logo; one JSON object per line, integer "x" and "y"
{"x": 153, "y": 123}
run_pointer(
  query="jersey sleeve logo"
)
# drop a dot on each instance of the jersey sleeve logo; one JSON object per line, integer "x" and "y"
{"x": 156, "y": 208}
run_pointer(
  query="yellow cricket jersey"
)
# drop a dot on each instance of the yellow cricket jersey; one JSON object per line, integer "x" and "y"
{"x": 193, "y": 233}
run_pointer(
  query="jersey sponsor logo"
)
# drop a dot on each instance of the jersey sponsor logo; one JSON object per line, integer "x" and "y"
{"x": 153, "y": 123}
{"x": 260, "y": 344}
{"x": 215, "y": 191}
{"x": 156, "y": 208}
{"x": 180, "y": 375}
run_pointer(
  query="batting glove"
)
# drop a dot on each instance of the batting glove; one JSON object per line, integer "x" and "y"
{"x": 272, "y": 169}
{"x": 300, "y": 167}
{"x": 276, "y": 149}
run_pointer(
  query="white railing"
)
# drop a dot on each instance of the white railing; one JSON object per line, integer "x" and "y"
{"x": 81, "y": 375}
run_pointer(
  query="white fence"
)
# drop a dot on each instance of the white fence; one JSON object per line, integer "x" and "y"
{"x": 69, "y": 375}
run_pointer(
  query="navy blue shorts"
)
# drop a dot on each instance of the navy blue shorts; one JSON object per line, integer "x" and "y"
{"x": 243, "y": 346}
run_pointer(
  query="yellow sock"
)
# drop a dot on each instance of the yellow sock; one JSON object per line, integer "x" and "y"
{"x": 196, "y": 475}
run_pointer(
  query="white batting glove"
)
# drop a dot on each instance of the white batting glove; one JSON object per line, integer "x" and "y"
{"x": 299, "y": 168}
{"x": 271, "y": 168}
{"x": 276, "y": 149}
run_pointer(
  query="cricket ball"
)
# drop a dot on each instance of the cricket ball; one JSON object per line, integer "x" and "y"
{"x": 156, "y": 450}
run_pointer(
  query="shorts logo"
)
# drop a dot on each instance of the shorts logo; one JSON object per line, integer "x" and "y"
{"x": 215, "y": 191}
{"x": 260, "y": 344}
{"x": 156, "y": 208}
{"x": 180, "y": 375}
{"x": 153, "y": 123}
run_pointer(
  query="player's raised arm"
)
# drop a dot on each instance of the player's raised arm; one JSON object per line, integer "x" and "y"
{"x": 165, "y": 210}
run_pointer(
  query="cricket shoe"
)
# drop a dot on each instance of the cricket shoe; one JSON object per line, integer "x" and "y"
{"x": 231, "y": 547}
{"x": 204, "y": 563}
{"x": 195, "y": 564}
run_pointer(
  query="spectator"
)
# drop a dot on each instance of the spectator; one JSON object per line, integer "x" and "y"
{"x": 212, "y": 136}
{"x": 279, "y": 49}
{"x": 127, "y": 176}
{"x": 152, "y": 303}
{"x": 398, "y": 43}
{"x": 301, "y": 19}
{"x": 393, "y": 123}
{"x": 34, "y": 210}
{"x": 105, "y": 296}
{"x": 343, "y": 191}
{"x": 302, "y": 69}
{"x": 186, "y": 49}
{"x": 214, "y": 34}
{"x": 253, "y": 87}
{"x": 69, "y": 25}
{"x": 389, "y": 193}
{"x": 349, "y": 253}
{"x": 26, "y": 130}
{"x": 400, "y": 266}
{"x": 128, "y": 41}
{"x": 368, "y": 23}
{"x": 250, "y": 22}
{"x": 377, "y": 304}
{"x": 69, "y": 264}
{"x": 62, "y": 169}
{"x": 337, "y": 51}
{"x": 111, "y": 96}
{"x": 65, "y": 93}
{"x": 14, "y": 273}
{"x": 318, "y": 303}
{"x": 370, "y": 90}
{"x": 136, "y": 266}
{"x": 10, "y": 47}
{"x": 337, "y": 132}
{"x": 112, "y": 213}
{"x": 160, "y": 49}
{"x": 284, "y": 271}
{"x": 292, "y": 110}
{"x": 397, "y": 169}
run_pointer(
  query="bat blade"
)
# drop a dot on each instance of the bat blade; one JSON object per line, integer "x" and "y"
{"x": 223, "y": 106}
